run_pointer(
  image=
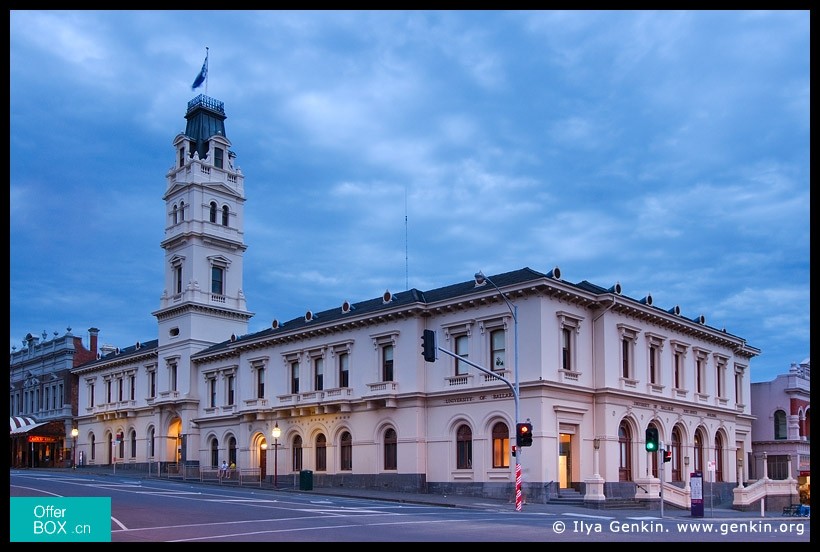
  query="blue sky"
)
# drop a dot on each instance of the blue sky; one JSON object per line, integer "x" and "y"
{"x": 667, "y": 151}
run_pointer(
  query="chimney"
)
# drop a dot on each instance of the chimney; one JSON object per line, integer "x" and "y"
{"x": 93, "y": 332}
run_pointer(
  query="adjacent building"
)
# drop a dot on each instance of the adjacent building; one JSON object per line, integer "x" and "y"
{"x": 344, "y": 394}
{"x": 43, "y": 397}
{"x": 781, "y": 431}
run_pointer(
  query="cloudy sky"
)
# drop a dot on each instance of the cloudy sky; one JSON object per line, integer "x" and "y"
{"x": 667, "y": 151}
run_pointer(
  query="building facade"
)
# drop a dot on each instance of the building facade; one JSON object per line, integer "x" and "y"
{"x": 781, "y": 431}
{"x": 43, "y": 397}
{"x": 345, "y": 394}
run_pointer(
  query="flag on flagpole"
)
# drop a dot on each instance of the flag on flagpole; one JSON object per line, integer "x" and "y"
{"x": 200, "y": 78}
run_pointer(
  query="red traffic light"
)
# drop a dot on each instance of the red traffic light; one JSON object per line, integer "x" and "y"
{"x": 667, "y": 455}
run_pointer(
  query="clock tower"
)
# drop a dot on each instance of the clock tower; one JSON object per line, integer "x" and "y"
{"x": 202, "y": 302}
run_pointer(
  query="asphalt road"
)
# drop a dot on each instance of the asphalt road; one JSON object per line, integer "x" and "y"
{"x": 157, "y": 510}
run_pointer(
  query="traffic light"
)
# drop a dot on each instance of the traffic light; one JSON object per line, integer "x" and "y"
{"x": 428, "y": 345}
{"x": 513, "y": 450}
{"x": 523, "y": 434}
{"x": 119, "y": 436}
{"x": 667, "y": 455}
{"x": 651, "y": 439}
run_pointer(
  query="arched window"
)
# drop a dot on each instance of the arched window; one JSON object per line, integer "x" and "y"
{"x": 93, "y": 447}
{"x": 321, "y": 452}
{"x": 719, "y": 458}
{"x": 176, "y": 214}
{"x": 625, "y": 452}
{"x": 213, "y": 211}
{"x": 346, "y": 443}
{"x": 297, "y": 454}
{"x": 676, "y": 455}
{"x": 464, "y": 448}
{"x": 232, "y": 450}
{"x": 501, "y": 445}
{"x": 225, "y": 213}
{"x": 780, "y": 425}
{"x": 151, "y": 435}
{"x": 181, "y": 211}
{"x": 699, "y": 450}
{"x": 215, "y": 453}
{"x": 133, "y": 443}
{"x": 390, "y": 449}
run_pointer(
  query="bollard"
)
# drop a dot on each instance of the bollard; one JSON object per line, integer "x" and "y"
{"x": 762, "y": 507}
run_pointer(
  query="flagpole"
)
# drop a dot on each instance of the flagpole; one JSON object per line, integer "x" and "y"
{"x": 206, "y": 70}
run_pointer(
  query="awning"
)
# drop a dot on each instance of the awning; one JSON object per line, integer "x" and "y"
{"x": 19, "y": 425}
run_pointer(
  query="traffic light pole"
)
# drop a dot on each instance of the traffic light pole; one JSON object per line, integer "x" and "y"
{"x": 514, "y": 388}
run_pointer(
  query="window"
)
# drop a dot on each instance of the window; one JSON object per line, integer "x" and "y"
{"x": 172, "y": 376}
{"x": 213, "y": 211}
{"x": 231, "y": 389}
{"x": 225, "y": 213}
{"x": 90, "y": 395}
{"x": 182, "y": 157}
{"x": 678, "y": 368}
{"x": 498, "y": 350}
{"x": 387, "y": 363}
{"x": 625, "y": 452}
{"x": 132, "y": 387}
{"x": 344, "y": 374}
{"x": 107, "y": 393}
{"x": 93, "y": 447}
{"x": 219, "y": 154}
{"x": 718, "y": 458}
{"x": 217, "y": 276}
{"x": 176, "y": 214}
{"x": 780, "y": 431}
{"x": 700, "y": 370}
{"x": 390, "y": 449}
{"x": 720, "y": 375}
{"x": 182, "y": 211}
{"x": 698, "y": 451}
{"x": 151, "y": 435}
{"x": 347, "y": 451}
{"x": 178, "y": 279}
{"x": 501, "y": 445}
{"x": 570, "y": 325}
{"x": 321, "y": 452}
{"x": 462, "y": 348}
{"x": 676, "y": 450}
{"x": 318, "y": 373}
{"x": 629, "y": 337}
{"x": 152, "y": 384}
{"x": 212, "y": 392}
{"x": 739, "y": 385}
{"x": 120, "y": 389}
{"x": 464, "y": 448}
{"x": 215, "y": 452}
{"x": 294, "y": 377}
{"x": 566, "y": 349}
{"x": 296, "y": 460}
{"x": 260, "y": 382}
{"x": 231, "y": 450}
{"x": 133, "y": 444}
{"x": 655, "y": 344}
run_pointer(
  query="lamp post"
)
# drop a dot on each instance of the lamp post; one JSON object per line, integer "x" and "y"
{"x": 276, "y": 432}
{"x": 74, "y": 433}
{"x": 480, "y": 280}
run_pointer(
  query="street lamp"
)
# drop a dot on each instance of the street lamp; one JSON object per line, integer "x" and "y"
{"x": 276, "y": 432}
{"x": 480, "y": 280}
{"x": 74, "y": 433}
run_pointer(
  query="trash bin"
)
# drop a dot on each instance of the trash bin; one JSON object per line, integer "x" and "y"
{"x": 306, "y": 480}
